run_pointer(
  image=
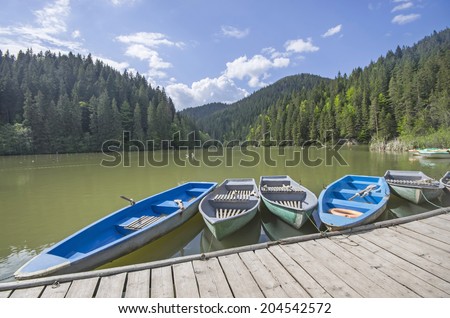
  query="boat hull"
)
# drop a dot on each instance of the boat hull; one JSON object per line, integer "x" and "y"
{"x": 226, "y": 227}
{"x": 118, "y": 234}
{"x": 296, "y": 216}
{"x": 413, "y": 186}
{"x": 291, "y": 216}
{"x": 219, "y": 209}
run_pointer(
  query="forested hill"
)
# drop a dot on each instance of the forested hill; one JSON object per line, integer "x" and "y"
{"x": 234, "y": 121}
{"x": 68, "y": 103}
{"x": 404, "y": 93}
{"x": 197, "y": 113}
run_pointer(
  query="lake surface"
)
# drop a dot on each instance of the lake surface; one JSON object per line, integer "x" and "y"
{"x": 45, "y": 198}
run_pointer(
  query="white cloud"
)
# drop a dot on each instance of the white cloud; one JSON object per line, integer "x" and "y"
{"x": 233, "y": 32}
{"x": 255, "y": 68}
{"x": 404, "y": 19}
{"x": 332, "y": 31}
{"x": 76, "y": 34}
{"x": 403, "y": 6}
{"x": 207, "y": 90}
{"x": 52, "y": 17}
{"x": 144, "y": 46}
{"x": 300, "y": 46}
{"x": 118, "y": 3}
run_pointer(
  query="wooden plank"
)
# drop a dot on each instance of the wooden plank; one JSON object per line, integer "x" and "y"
{"x": 335, "y": 286}
{"x": 138, "y": 284}
{"x": 438, "y": 223}
{"x": 349, "y": 274}
{"x": 111, "y": 286}
{"x": 212, "y": 282}
{"x": 362, "y": 248}
{"x": 425, "y": 256}
{"x": 301, "y": 276}
{"x": 445, "y": 216}
{"x": 162, "y": 283}
{"x": 83, "y": 288}
{"x": 344, "y": 251}
{"x": 32, "y": 292}
{"x": 239, "y": 278}
{"x": 185, "y": 281}
{"x": 291, "y": 287}
{"x": 433, "y": 286}
{"x": 428, "y": 230}
{"x": 5, "y": 293}
{"x": 268, "y": 284}
{"x": 423, "y": 238}
{"x": 58, "y": 290}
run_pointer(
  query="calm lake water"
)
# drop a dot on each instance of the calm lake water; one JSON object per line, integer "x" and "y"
{"x": 45, "y": 198}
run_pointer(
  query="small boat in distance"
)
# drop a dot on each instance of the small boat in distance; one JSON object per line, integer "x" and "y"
{"x": 287, "y": 199}
{"x": 353, "y": 200}
{"x": 435, "y": 153}
{"x": 445, "y": 180}
{"x": 230, "y": 206}
{"x": 414, "y": 186}
{"x": 119, "y": 233}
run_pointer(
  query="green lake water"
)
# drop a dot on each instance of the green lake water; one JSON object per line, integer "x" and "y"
{"x": 45, "y": 198}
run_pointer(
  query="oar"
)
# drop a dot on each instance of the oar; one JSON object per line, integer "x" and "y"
{"x": 128, "y": 199}
{"x": 364, "y": 192}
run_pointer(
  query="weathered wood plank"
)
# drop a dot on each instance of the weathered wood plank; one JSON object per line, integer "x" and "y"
{"x": 358, "y": 246}
{"x": 162, "y": 283}
{"x": 428, "y": 230}
{"x": 301, "y": 276}
{"x": 445, "y": 216}
{"x": 83, "y": 288}
{"x": 32, "y": 292}
{"x": 438, "y": 223}
{"x": 432, "y": 286}
{"x": 185, "y": 281}
{"x": 421, "y": 237}
{"x": 138, "y": 284}
{"x": 334, "y": 285}
{"x": 290, "y": 286}
{"x": 239, "y": 278}
{"x": 211, "y": 279}
{"x": 420, "y": 254}
{"x": 349, "y": 274}
{"x": 56, "y": 290}
{"x": 5, "y": 293}
{"x": 111, "y": 286}
{"x": 268, "y": 284}
{"x": 391, "y": 288}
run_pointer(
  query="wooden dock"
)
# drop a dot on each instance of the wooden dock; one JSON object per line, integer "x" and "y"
{"x": 408, "y": 257}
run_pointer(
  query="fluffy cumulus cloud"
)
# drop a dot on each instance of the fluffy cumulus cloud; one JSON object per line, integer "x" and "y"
{"x": 254, "y": 69}
{"x": 300, "y": 46}
{"x": 332, "y": 31}
{"x": 205, "y": 91}
{"x": 144, "y": 46}
{"x": 404, "y": 19}
{"x": 233, "y": 32}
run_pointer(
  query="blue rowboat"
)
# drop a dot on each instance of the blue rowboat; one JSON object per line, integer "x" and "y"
{"x": 230, "y": 206}
{"x": 287, "y": 199}
{"x": 353, "y": 200}
{"x": 414, "y": 186}
{"x": 119, "y": 233}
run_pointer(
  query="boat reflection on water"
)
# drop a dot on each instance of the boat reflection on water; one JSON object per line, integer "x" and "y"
{"x": 247, "y": 235}
{"x": 276, "y": 229}
{"x": 179, "y": 242}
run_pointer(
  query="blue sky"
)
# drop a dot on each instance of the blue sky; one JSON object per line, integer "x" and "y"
{"x": 205, "y": 51}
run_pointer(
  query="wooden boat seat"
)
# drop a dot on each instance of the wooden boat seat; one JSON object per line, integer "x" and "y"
{"x": 142, "y": 222}
{"x": 291, "y": 204}
{"x": 226, "y": 213}
{"x": 283, "y": 188}
{"x": 234, "y": 195}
